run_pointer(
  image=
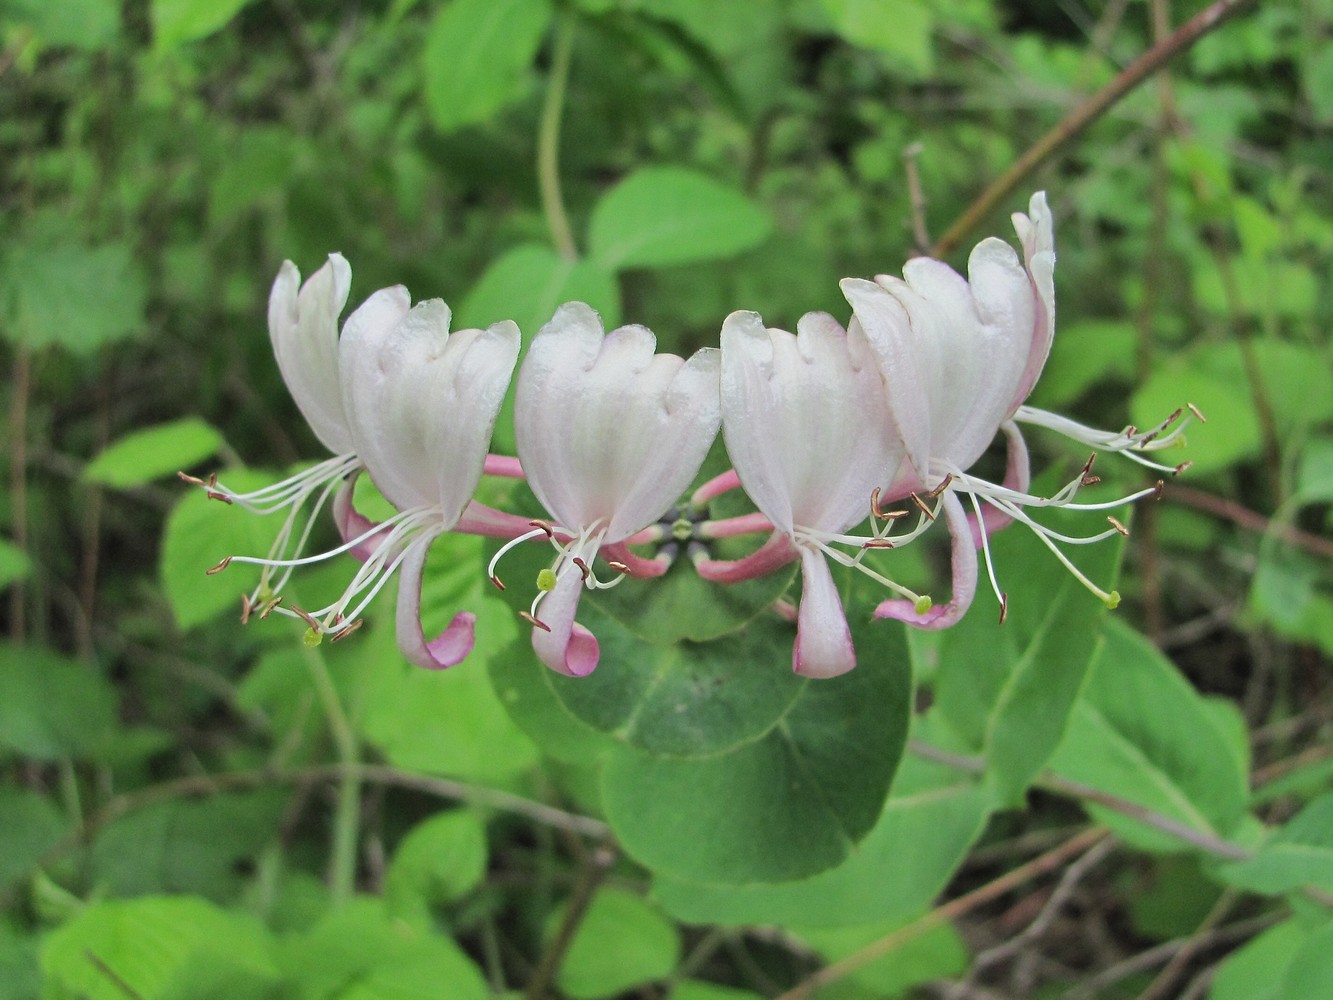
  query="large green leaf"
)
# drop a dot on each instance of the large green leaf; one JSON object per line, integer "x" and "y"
{"x": 83, "y": 24}
{"x": 162, "y": 948}
{"x": 440, "y": 860}
{"x": 784, "y": 807}
{"x": 30, "y": 825}
{"x": 1142, "y": 733}
{"x": 52, "y": 707}
{"x": 932, "y": 818}
{"x": 901, "y": 29}
{"x": 476, "y": 54}
{"x": 659, "y": 216}
{"x": 1254, "y": 972}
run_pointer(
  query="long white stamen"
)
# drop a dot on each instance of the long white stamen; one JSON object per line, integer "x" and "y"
{"x": 985, "y": 551}
{"x": 816, "y": 539}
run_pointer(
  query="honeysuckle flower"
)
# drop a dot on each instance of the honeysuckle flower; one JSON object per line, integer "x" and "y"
{"x": 807, "y": 426}
{"x": 959, "y": 358}
{"x": 420, "y": 404}
{"x": 609, "y": 435}
{"x": 303, "y": 327}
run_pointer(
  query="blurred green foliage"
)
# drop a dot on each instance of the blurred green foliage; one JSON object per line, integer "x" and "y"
{"x": 190, "y": 809}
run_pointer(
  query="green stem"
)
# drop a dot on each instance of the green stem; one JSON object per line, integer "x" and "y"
{"x": 548, "y": 141}
{"x": 347, "y": 813}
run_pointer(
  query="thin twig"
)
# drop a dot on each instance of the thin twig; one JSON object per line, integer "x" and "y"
{"x": 1251, "y": 520}
{"x": 1038, "y": 866}
{"x": 911, "y": 166}
{"x": 1084, "y": 115}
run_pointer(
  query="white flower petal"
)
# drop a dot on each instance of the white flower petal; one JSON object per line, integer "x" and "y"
{"x": 806, "y": 421}
{"x": 1037, "y": 234}
{"x": 303, "y": 326}
{"x": 823, "y": 641}
{"x": 608, "y": 432}
{"x": 423, "y": 401}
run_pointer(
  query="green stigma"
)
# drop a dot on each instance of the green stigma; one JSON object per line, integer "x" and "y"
{"x": 311, "y": 639}
{"x": 682, "y": 529}
{"x": 1113, "y": 600}
{"x": 546, "y": 580}
{"x": 923, "y": 604}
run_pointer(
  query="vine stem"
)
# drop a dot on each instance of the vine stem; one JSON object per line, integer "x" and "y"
{"x": 347, "y": 812}
{"x": 1084, "y": 115}
{"x": 548, "y": 141}
{"x": 1038, "y": 866}
{"x": 591, "y": 876}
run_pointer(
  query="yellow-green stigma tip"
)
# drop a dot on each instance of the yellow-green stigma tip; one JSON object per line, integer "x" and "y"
{"x": 546, "y": 580}
{"x": 1113, "y": 600}
{"x": 681, "y": 530}
{"x": 311, "y": 639}
{"x": 923, "y": 604}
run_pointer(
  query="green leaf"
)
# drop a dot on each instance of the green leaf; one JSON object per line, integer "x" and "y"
{"x": 440, "y": 860}
{"x": 179, "y": 21}
{"x": 1254, "y": 971}
{"x": 20, "y": 976}
{"x": 1086, "y": 354}
{"x": 476, "y": 54}
{"x": 526, "y": 284}
{"x": 938, "y": 953}
{"x": 451, "y": 721}
{"x": 30, "y": 825}
{"x": 51, "y": 707}
{"x": 1142, "y": 733}
{"x": 659, "y": 216}
{"x": 78, "y": 297}
{"x": 186, "y": 846}
{"x": 359, "y": 952}
{"x": 900, "y": 29}
{"x": 620, "y": 943}
{"x": 1300, "y": 853}
{"x": 145, "y": 455}
{"x": 933, "y": 820}
{"x": 1314, "y": 477}
{"x": 81, "y": 24}
{"x": 199, "y": 534}
{"x": 14, "y": 564}
{"x": 784, "y": 807}
{"x": 161, "y": 947}
{"x": 691, "y": 989}
{"x": 1310, "y": 974}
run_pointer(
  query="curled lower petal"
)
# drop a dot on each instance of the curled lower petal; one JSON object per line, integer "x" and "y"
{"x": 452, "y": 645}
{"x": 1017, "y": 477}
{"x": 775, "y": 553}
{"x": 352, "y": 523}
{"x": 563, "y": 644}
{"x": 823, "y": 640}
{"x": 964, "y": 576}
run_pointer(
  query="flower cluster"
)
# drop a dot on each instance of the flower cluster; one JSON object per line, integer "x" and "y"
{"x": 875, "y": 423}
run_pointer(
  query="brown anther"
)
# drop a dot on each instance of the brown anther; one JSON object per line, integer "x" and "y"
{"x": 545, "y": 526}
{"x": 1181, "y": 468}
{"x": 496, "y": 580}
{"x": 1004, "y": 607}
{"x": 1159, "y": 489}
{"x": 246, "y": 607}
{"x": 219, "y": 567}
{"x": 1198, "y": 413}
{"x": 921, "y": 506}
{"x": 308, "y": 618}
{"x": 1118, "y": 526}
{"x": 874, "y": 504}
{"x": 583, "y": 568}
{"x": 269, "y": 608}
{"x": 1130, "y": 430}
{"x": 192, "y": 480}
{"x": 339, "y": 636}
{"x": 1086, "y": 478}
{"x": 617, "y": 565}
{"x": 944, "y": 485}
{"x": 533, "y": 619}
{"x": 878, "y": 543}
{"x": 215, "y": 495}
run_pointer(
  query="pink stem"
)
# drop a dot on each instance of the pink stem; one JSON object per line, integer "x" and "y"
{"x": 730, "y": 527}
{"x": 504, "y": 466}
{"x": 638, "y": 566}
{"x": 775, "y": 553}
{"x": 715, "y": 487}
